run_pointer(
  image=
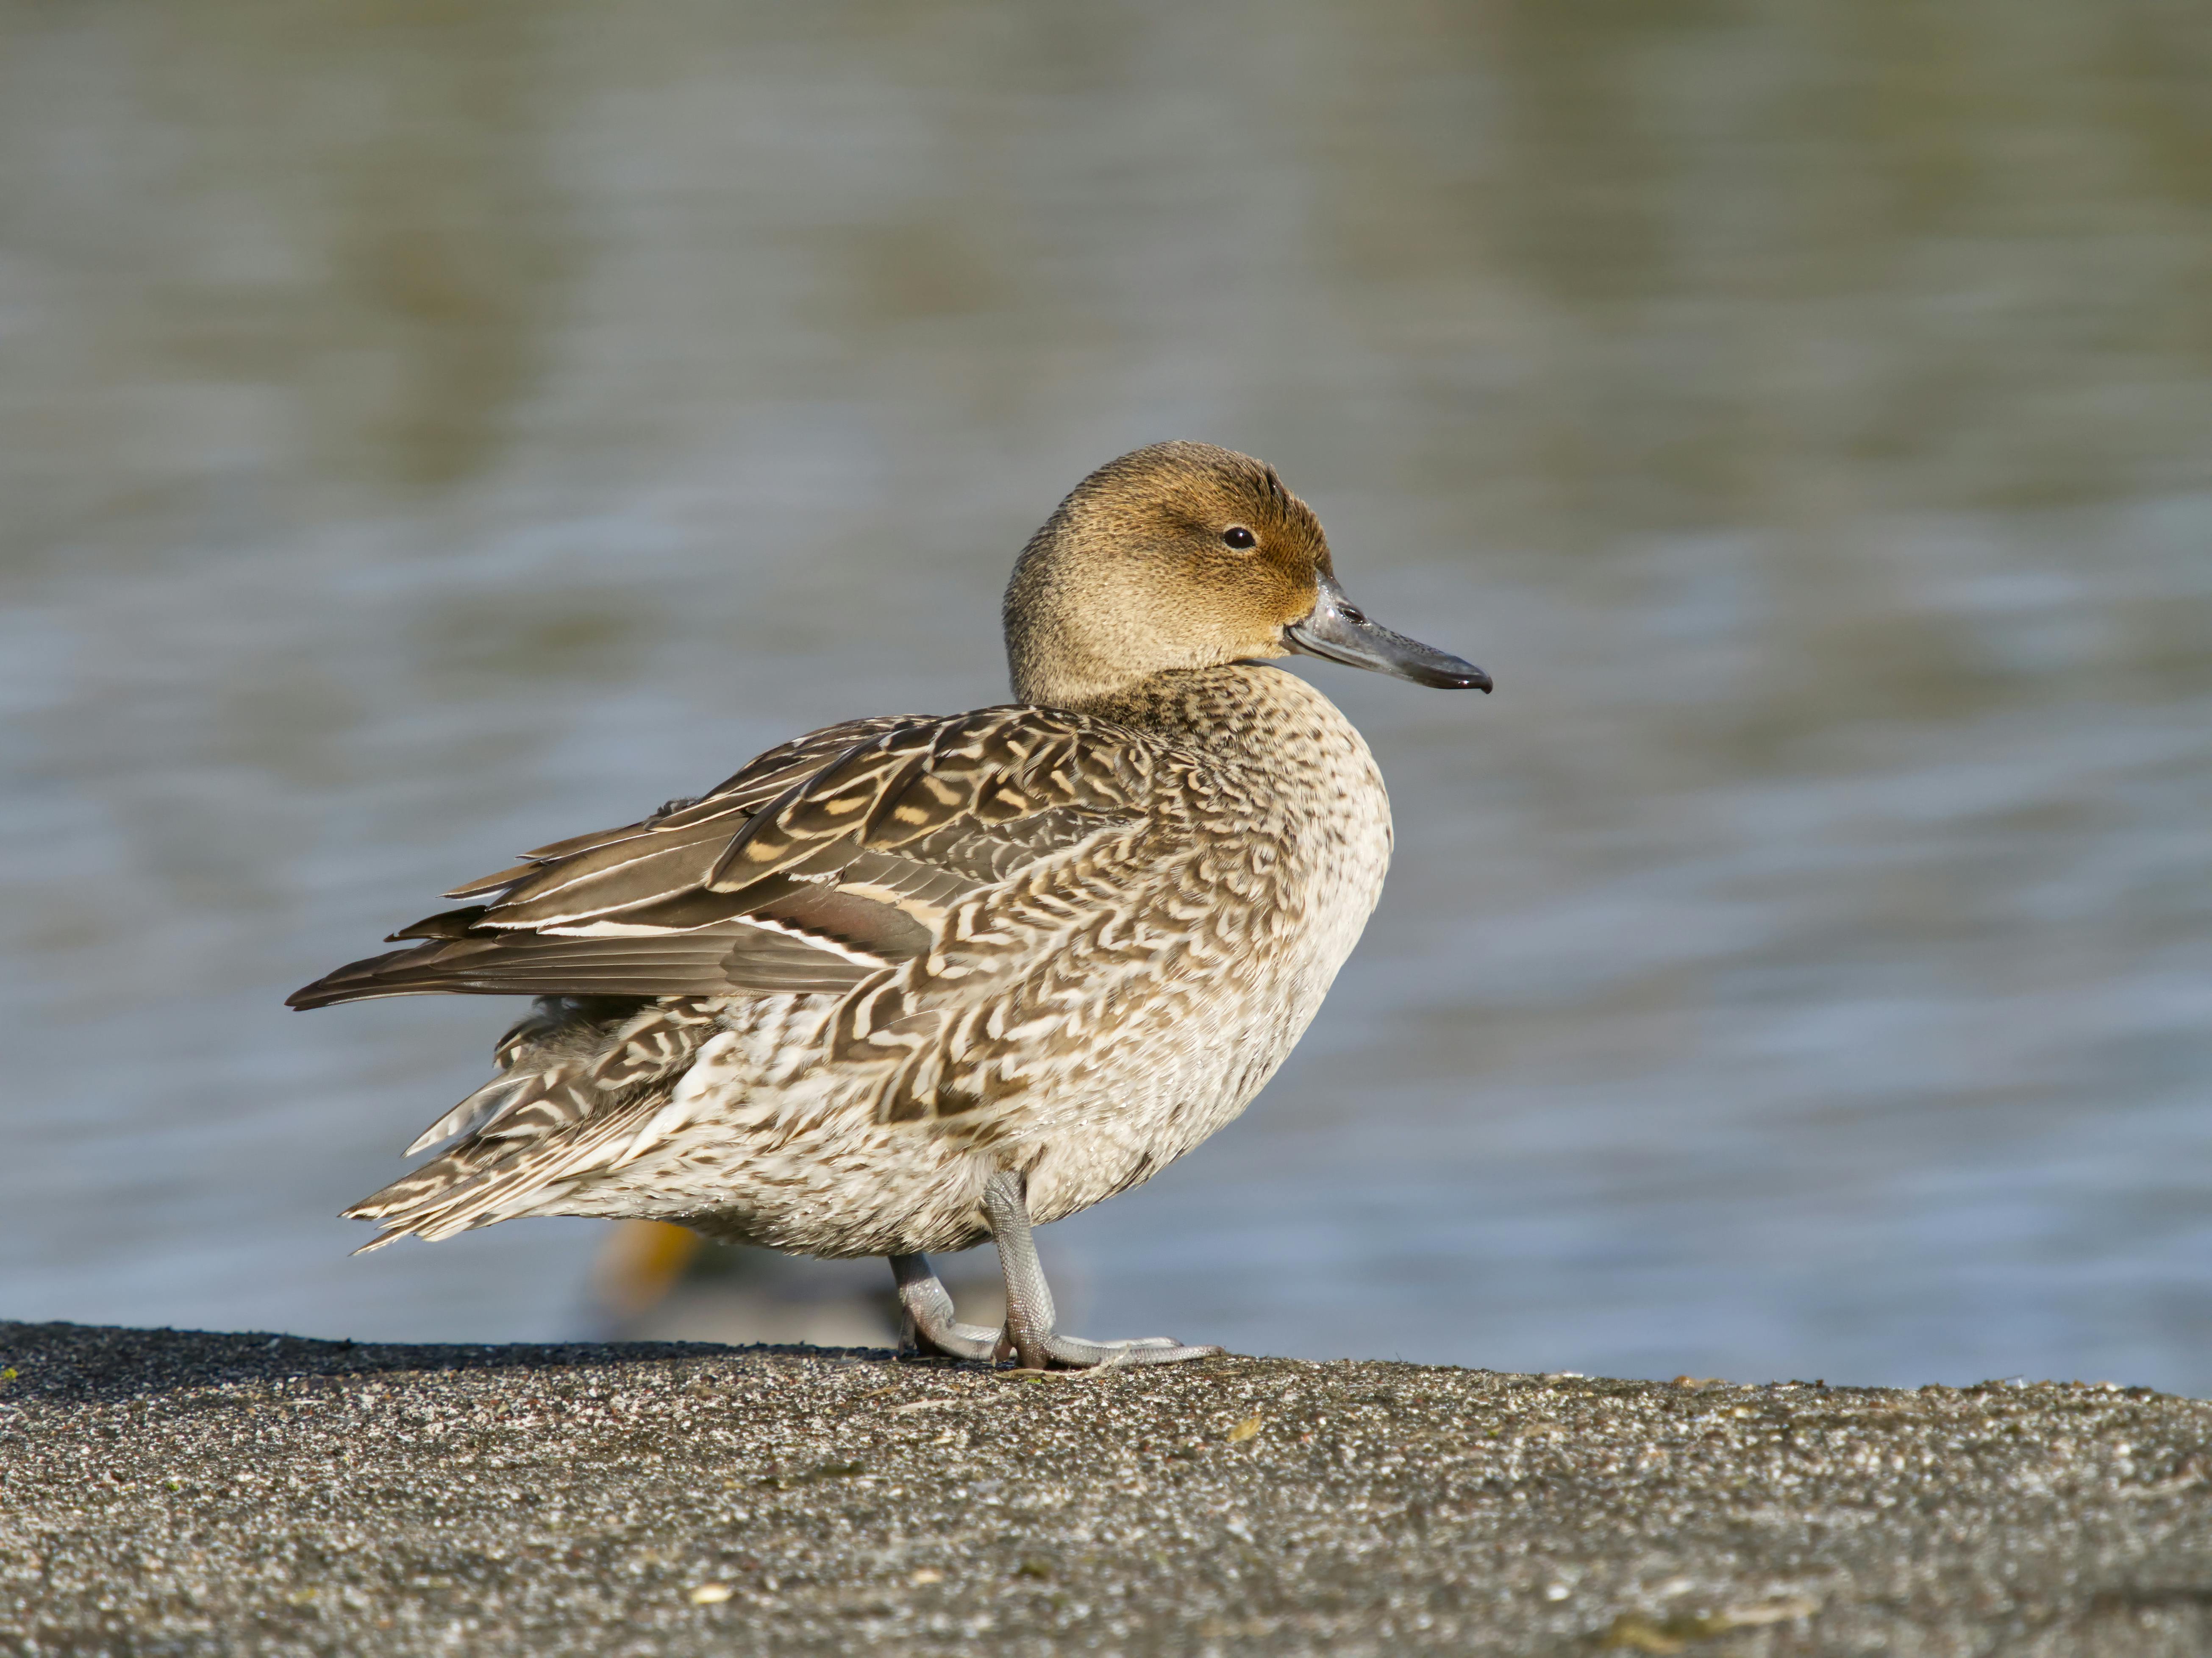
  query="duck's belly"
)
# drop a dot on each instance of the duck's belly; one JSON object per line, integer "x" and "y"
{"x": 768, "y": 1145}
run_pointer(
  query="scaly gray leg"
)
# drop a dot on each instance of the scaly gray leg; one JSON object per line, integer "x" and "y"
{"x": 930, "y": 1326}
{"x": 1032, "y": 1324}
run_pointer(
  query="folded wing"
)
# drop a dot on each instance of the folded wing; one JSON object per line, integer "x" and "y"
{"x": 825, "y": 861}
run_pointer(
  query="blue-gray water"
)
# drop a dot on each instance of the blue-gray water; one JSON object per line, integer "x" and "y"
{"x": 431, "y": 430}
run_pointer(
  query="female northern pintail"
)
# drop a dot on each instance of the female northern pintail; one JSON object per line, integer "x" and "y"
{"x": 912, "y": 981}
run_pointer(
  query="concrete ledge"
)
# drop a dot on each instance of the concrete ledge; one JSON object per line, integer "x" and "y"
{"x": 179, "y": 1493}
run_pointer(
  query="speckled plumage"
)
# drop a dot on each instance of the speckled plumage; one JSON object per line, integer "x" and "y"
{"x": 820, "y": 1006}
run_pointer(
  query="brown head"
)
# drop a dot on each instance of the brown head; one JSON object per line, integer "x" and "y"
{"x": 1186, "y": 555}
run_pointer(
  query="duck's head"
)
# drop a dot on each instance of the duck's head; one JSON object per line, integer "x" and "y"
{"x": 1185, "y": 555}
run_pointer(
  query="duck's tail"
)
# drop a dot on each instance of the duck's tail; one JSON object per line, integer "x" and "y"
{"x": 583, "y": 1088}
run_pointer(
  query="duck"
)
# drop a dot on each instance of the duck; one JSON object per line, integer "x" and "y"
{"x": 907, "y": 983}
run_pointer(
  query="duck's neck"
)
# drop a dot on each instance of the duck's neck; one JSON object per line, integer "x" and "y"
{"x": 1236, "y": 707}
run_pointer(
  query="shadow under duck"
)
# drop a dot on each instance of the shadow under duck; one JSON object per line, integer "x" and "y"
{"x": 912, "y": 981}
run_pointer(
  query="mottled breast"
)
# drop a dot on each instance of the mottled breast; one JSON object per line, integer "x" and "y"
{"x": 1132, "y": 997}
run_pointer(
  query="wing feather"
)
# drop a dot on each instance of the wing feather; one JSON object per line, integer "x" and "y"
{"x": 822, "y": 863}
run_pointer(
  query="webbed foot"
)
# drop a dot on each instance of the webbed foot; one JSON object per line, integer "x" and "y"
{"x": 1032, "y": 1335}
{"x": 930, "y": 1327}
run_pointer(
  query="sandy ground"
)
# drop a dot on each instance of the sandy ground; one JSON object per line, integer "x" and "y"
{"x": 173, "y": 1492}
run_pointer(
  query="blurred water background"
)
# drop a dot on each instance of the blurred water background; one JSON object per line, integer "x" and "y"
{"x": 430, "y": 429}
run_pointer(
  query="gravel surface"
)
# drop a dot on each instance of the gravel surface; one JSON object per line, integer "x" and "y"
{"x": 173, "y": 1492}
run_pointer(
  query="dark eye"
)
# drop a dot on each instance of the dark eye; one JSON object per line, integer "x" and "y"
{"x": 1238, "y": 536}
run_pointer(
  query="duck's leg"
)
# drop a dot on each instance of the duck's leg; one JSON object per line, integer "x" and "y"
{"x": 929, "y": 1320}
{"x": 1032, "y": 1324}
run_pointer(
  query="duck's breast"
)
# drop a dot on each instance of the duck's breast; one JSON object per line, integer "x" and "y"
{"x": 1257, "y": 907}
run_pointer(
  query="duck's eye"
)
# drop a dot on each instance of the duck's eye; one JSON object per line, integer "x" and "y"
{"x": 1238, "y": 536}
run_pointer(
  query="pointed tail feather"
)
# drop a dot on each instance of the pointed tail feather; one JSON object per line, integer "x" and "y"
{"x": 471, "y": 1114}
{"x": 454, "y": 1194}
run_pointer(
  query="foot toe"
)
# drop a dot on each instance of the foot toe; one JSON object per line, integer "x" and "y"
{"x": 1078, "y": 1354}
{"x": 968, "y": 1341}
